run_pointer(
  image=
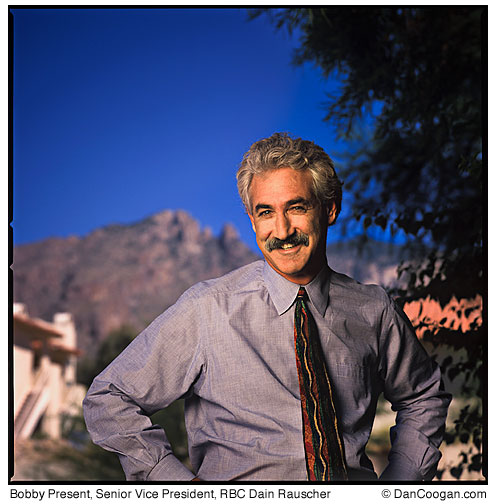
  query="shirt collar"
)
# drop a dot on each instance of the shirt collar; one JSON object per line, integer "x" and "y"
{"x": 283, "y": 292}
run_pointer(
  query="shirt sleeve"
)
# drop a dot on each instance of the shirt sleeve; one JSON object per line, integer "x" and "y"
{"x": 159, "y": 366}
{"x": 413, "y": 385}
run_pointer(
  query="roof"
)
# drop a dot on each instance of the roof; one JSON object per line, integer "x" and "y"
{"x": 36, "y": 327}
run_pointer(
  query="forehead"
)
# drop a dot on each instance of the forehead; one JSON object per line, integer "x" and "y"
{"x": 280, "y": 185}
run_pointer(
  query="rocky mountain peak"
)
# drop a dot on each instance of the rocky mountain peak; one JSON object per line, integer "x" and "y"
{"x": 229, "y": 234}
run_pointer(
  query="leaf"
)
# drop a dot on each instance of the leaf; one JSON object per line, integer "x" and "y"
{"x": 447, "y": 361}
{"x": 456, "y": 472}
{"x": 477, "y": 458}
{"x": 381, "y": 221}
{"x": 453, "y": 373}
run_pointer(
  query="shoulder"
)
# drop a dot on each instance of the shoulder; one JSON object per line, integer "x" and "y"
{"x": 237, "y": 282}
{"x": 366, "y": 301}
{"x": 346, "y": 287}
{"x": 204, "y": 297}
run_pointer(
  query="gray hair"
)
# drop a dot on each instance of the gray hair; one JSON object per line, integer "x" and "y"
{"x": 282, "y": 151}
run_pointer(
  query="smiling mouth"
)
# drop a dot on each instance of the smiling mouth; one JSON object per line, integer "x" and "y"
{"x": 288, "y": 246}
{"x": 291, "y": 242}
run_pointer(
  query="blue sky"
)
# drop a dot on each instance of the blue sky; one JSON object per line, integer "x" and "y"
{"x": 122, "y": 113}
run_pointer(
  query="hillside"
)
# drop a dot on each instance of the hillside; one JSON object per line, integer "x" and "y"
{"x": 122, "y": 274}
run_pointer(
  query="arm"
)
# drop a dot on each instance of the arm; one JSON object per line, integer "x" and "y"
{"x": 413, "y": 385}
{"x": 158, "y": 367}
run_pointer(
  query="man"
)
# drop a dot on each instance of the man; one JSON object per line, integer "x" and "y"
{"x": 280, "y": 362}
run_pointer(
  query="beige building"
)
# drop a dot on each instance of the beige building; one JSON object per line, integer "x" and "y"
{"x": 45, "y": 388}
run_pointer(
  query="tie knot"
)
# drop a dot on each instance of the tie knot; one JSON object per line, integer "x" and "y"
{"x": 302, "y": 293}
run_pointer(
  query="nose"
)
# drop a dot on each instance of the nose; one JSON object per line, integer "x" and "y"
{"x": 283, "y": 227}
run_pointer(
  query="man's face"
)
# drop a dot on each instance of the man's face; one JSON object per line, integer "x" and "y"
{"x": 289, "y": 223}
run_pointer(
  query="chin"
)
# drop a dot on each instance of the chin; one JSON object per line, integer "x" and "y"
{"x": 289, "y": 270}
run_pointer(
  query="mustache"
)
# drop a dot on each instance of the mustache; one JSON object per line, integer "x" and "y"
{"x": 295, "y": 239}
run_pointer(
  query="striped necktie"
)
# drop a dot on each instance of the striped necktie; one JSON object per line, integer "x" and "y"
{"x": 323, "y": 448}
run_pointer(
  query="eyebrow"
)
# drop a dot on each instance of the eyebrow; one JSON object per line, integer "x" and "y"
{"x": 298, "y": 200}
{"x": 263, "y": 206}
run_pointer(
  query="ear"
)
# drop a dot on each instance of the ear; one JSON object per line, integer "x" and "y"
{"x": 331, "y": 214}
{"x": 252, "y": 221}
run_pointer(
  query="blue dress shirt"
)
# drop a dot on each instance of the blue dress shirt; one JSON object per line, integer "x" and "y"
{"x": 227, "y": 347}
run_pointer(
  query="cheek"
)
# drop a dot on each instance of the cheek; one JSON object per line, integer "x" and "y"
{"x": 306, "y": 225}
{"x": 262, "y": 230}
{"x": 313, "y": 229}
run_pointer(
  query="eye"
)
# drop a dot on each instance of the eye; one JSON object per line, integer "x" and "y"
{"x": 298, "y": 209}
{"x": 264, "y": 213}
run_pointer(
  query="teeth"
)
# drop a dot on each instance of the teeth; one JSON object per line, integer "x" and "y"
{"x": 287, "y": 246}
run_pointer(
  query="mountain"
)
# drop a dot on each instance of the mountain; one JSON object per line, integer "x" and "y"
{"x": 128, "y": 274}
{"x": 122, "y": 274}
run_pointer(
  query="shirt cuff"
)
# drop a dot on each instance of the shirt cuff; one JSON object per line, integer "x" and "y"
{"x": 412, "y": 456}
{"x": 170, "y": 469}
{"x": 400, "y": 469}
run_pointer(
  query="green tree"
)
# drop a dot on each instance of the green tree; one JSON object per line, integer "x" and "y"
{"x": 115, "y": 342}
{"x": 416, "y": 75}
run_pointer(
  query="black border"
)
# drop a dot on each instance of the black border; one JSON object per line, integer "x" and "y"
{"x": 484, "y": 376}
